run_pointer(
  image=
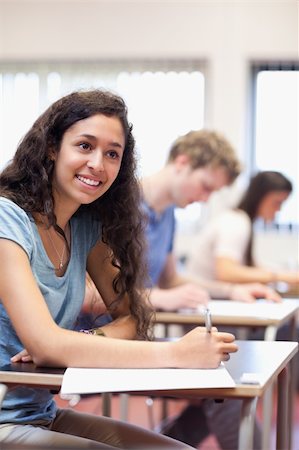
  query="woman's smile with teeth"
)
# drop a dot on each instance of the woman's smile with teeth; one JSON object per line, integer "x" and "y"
{"x": 88, "y": 181}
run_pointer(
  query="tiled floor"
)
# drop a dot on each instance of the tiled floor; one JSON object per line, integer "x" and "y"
{"x": 138, "y": 413}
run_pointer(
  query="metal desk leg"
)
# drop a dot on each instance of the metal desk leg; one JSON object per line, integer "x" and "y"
{"x": 246, "y": 429}
{"x": 124, "y": 406}
{"x": 267, "y": 417}
{"x": 293, "y": 366}
{"x": 270, "y": 335}
{"x": 242, "y": 333}
{"x": 106, "y": 404}
{"x": 283, "y": 438}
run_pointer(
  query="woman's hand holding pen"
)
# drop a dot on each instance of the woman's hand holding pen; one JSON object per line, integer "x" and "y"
{"x": 204, "y": 350}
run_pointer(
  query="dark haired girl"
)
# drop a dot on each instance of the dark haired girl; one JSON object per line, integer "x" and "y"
{"x": 69, "y": 202}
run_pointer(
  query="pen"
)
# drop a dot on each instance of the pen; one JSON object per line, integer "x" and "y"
{"x": 208, "y": 320}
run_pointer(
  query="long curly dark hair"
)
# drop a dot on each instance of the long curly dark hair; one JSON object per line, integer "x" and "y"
{"x": 260, "y": 185}
{"x": 27, "y": 180}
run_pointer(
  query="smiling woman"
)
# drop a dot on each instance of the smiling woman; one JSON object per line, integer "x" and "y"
{"x": 70, "y": 202}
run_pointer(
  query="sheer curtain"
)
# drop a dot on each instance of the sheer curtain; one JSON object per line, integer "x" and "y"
{"x": 165, "y": 99}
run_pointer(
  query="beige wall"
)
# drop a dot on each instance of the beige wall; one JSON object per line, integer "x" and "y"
{"x": 227, "y": 33}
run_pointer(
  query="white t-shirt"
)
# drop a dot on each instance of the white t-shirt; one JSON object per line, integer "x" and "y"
{"x": 227, "y": 235}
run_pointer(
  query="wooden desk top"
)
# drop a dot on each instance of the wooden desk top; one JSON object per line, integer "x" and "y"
{"x": 228, "y": 312}
{"x": 31, "y": 375}
{"x": 265, "y": 358}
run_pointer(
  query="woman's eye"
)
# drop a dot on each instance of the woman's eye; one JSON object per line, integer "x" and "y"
{"x": 85, "y": 146}
{"x": 113, "y": 154}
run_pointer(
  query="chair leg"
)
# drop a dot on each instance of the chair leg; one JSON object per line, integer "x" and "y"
{"x": 124, "y": 407}
{"x": 150, "y": 411}
{"x": 164, "y": 412}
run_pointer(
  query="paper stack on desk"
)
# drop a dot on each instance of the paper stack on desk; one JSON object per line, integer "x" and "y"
{"x": 88, "y": 381}
{"x": 259, "y": 309}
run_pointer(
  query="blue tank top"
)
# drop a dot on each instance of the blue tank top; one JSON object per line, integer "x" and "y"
{"x": 63, "y": 295}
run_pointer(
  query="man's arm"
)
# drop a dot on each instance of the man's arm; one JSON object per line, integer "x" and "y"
{"x": 174, "y": 291}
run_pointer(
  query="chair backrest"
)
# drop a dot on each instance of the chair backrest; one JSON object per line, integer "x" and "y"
{"x": 3, "y": 390}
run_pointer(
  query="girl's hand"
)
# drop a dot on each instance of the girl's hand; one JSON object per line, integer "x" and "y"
{"x": 202, "y": 350}
{"x": 291, "y": 277}
{"x": 249, "y": 292}
{"x": 22, "y": 356}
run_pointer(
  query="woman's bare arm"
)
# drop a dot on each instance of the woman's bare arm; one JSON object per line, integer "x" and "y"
{"x": 232, "y": 271}
{"x": 48, "y": 344}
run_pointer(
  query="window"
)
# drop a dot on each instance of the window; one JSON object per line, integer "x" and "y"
{"x": 164, "y": 100}
{"x": 276, "y": 126}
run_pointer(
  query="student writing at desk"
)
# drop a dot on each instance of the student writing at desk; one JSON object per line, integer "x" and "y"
{"x": 223, "y": 249}
{"x": 199, "y": 163}
{"x": 69, "y": 202}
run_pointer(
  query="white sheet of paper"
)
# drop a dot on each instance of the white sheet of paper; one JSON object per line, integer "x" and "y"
{"x": 259, "y": 309}
{"x": 87, "y": 381}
